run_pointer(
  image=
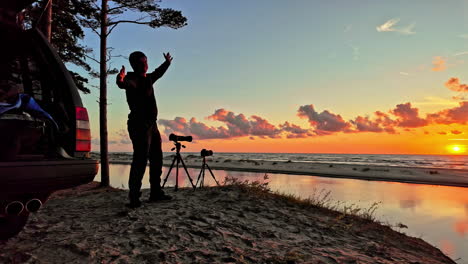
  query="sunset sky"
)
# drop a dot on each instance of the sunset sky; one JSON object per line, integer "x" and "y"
{"x": 310, "y": 76}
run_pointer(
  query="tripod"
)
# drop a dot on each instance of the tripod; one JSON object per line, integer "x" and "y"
{"x": 201, "y": 176}
{"x": 179, "y": 159}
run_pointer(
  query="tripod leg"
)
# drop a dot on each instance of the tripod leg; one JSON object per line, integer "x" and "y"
{"x": 212, "y": 174}
{"x": 169, "y": 172}
{"x": 177, "y": 173}
{"x": 202, "y": 184}
{"x": 186, "y": 171}
{"x": 199, "y": 175}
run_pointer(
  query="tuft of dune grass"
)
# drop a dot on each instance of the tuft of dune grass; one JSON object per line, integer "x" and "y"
{"x": 320, "y": 199}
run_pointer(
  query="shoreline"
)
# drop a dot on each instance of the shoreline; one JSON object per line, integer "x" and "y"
{"x": 228, "y": 224}
{"x": 413, "y": 175}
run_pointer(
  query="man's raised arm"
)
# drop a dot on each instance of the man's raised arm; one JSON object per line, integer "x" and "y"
{"x": 121, "y": 79}
{"x": 159, "y": 72}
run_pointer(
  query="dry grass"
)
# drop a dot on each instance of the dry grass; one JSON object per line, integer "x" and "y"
{"x": 320, "y": 199}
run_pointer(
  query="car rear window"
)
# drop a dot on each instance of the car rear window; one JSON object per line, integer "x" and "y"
{"x": 23, "y": 70}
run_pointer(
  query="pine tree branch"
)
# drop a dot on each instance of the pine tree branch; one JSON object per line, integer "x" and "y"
{"x": 96, "y": 7}
{"x": 132, "y": 4}
{"x": 93, "y": 59}
{"x": 137, "y": 20}
{"x": 110, "y": 30}
{"x": 129, "y": 21}
{"x": 88, "y": 25}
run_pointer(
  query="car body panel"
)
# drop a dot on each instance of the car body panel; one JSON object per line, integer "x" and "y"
{"x": 44, "y": 175}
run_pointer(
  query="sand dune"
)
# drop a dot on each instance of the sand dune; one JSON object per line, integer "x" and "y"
{"x": 212, "y": 225}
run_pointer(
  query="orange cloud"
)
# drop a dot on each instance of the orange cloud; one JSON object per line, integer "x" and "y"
{"x": 324, "y": 123}
{"x": 456, "y": 115}
{"x": 455, "y": 85}
{"x": 438, "y": 64}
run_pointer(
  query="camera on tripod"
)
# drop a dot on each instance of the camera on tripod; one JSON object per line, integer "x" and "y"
{"x": 201, "y": 177}
{"x": 206, "y": 153}
{"x": 178, "y": 159}
{"x": 176, "y": 138}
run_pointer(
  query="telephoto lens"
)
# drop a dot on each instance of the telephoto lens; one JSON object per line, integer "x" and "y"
{"x": 175, "y": 138}
{"x": 205, "y": 153}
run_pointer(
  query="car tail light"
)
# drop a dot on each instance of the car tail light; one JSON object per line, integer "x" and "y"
{"x": 83, "y": 133}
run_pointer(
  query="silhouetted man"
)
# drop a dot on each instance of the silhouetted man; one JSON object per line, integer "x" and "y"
{"x": 142, "y": 127}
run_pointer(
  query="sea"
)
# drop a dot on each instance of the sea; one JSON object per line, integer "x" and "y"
{"x": 424, "y": 161}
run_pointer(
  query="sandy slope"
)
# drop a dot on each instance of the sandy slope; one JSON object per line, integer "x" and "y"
{"x": 214, "y": 225}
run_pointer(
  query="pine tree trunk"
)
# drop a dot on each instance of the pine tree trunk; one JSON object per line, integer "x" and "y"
{"x": 103, "y": 97}
{"x": 47, "y": 30}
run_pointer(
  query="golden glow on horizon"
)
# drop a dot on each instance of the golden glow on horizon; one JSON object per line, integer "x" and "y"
{"x": 426, "y": 141}
{"x": 456, "y": 149}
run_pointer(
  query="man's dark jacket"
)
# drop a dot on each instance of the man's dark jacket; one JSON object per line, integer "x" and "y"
{"x": 140, "y": 94}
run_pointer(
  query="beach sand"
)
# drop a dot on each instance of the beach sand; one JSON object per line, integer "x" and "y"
{"x": 210, "y": 225}
{"x": 435, "y": 176}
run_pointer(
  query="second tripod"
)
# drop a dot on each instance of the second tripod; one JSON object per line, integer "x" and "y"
{"x": 201, "y": 176}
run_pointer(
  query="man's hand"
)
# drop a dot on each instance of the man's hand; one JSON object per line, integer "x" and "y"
{"x": 122, "y": 74}
{"x": 168, "y": 57}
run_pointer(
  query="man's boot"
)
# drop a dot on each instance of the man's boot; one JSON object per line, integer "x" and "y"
{"x": 158, "y": 195}
{"x": 134, "y": 200}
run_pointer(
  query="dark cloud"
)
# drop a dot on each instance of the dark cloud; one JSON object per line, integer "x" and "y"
{"x": 237, "y": 126}
{"x": 325, "y": 123}
{"x": 408, "y": 116}
{"x": 385, "y": 121}
{"x": 202, "y": 131}
{"x": 178, "y": 125}
{"x": 364, "y": 124}
{"x": 295, "y": 131}
{"x": 261, "y": 127}
{"x": 199, "y": 130}
{"x": 380, "y": 123}
{"x": 456, "y": 132}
